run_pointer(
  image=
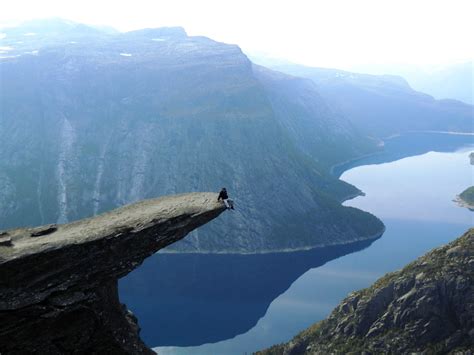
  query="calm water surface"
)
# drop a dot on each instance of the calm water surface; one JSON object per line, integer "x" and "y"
{"x": 238, "y": 304}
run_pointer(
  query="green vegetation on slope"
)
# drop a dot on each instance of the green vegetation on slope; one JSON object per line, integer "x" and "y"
{"x": 468, "y": 195}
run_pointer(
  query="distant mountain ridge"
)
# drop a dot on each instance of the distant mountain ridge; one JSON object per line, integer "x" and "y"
{"x": 451, "y": 81}
{"x": 92, "y": 122}
{"x": 382, "y": 105}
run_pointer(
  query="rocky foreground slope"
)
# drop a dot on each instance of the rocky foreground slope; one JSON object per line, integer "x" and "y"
{"x": 58, "y": 283}
{"x": 427, "y": 307}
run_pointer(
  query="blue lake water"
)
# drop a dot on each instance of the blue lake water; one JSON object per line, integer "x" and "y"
{"x": 236, "y": 304}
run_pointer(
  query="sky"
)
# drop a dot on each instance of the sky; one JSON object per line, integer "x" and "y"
{"x": 331, "y": 33}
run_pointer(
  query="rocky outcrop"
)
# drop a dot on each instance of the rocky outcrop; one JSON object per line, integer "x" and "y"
{"x": 58, "y": 283}
{"x": 428, "y": 307}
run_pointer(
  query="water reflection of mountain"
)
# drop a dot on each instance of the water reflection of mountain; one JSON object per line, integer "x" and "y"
{"x": 192, "y": 299}
{"x": 408, "y": 145}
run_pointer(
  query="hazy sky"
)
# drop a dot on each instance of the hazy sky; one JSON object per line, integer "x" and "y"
{"x": 335, "y": 33}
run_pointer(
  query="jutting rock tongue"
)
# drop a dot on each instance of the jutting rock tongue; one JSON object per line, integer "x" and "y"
{"x": 59, "y": 282}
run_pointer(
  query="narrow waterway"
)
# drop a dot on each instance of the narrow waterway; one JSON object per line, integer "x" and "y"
{"x": 238, "y": 304}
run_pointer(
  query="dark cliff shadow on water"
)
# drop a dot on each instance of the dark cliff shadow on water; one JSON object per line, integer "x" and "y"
{"x": 410, "y": 144}
{"x": 193, "y": 299}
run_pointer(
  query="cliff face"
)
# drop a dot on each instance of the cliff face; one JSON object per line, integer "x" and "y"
{"x": 92, "y": 121}
{"x": 58, "y": 283}
{"x": 427, "y": 306}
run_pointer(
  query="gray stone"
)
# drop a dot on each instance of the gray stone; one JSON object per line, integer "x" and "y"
{"x": 45, "y": 230}
{"x": 59, "y": 292}
{"x": 5, "y": 240}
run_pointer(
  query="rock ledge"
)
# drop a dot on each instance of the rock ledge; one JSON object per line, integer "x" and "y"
{"x": 58, "y": 283}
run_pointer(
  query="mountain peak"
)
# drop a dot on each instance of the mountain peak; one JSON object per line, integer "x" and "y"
{"x": 48, "y": 26}
{"x": 160, "y": 32}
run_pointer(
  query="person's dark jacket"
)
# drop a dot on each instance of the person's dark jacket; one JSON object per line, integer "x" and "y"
{"x": 222, "y": 195}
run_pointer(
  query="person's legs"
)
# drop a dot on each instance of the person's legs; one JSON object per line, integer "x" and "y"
{"x": 226, "y": 203}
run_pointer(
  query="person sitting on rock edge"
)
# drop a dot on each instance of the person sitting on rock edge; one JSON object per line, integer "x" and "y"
{"x": 224, "y": 197}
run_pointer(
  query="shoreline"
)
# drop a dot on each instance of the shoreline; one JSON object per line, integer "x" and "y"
{"x": 372, "y": 237}
{"x": 353, "y": 160}
{"x": 446, "y": 132}
{"x": 396, "y": 135}
{"x": 352, "y": 196}
{"x": 461, "y": 203}
{"x": 344, "y": 199}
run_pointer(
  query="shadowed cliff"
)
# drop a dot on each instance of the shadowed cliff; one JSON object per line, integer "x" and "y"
{"x": 58, "y": 283}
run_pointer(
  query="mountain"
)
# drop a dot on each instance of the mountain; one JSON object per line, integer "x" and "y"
{"x": 427, "y": 307}
{"x": 453, "y": 81}
{"x": 91, "y": 120}
{"x": 296, "y": 102}
{"x": 382, "y": 105}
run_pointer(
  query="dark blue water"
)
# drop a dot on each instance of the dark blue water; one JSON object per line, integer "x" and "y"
{"x": 219, "y": 296}
{"x": 238, "y": 304}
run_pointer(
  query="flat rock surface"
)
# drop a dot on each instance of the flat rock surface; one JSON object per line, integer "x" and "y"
{"x": 132, "y": 218}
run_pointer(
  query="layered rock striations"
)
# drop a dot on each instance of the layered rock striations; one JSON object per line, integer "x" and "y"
{"x": 427, "y": 307}
{"x": 58, "y": 283}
